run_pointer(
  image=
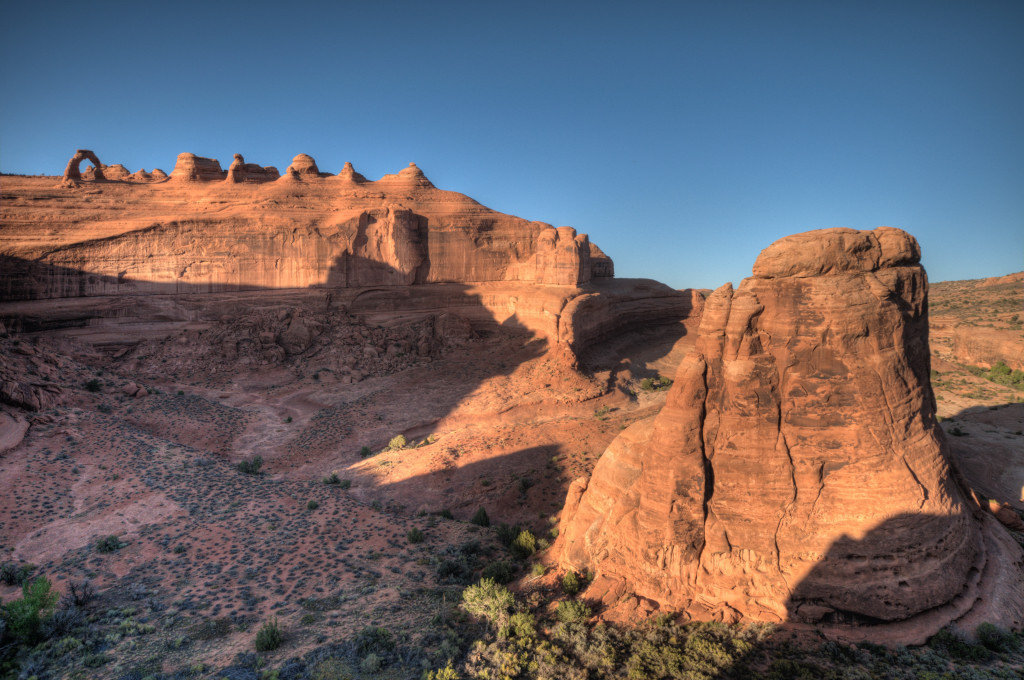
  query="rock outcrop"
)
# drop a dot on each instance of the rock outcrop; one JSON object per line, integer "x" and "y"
{"x": 73, "y": 173}
{"x": 797, "y": 470}
{"x": 349, "y": 174}
{"x": 239, "y": 171}
{"x": 303, "y": 166}
{"x": 193, "y": 168}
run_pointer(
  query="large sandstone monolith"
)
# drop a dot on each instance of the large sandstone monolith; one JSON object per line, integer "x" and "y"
{"x": 796, "y": 471}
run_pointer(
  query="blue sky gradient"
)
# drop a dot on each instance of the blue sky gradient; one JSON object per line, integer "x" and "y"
{"x": 684, "y": 137}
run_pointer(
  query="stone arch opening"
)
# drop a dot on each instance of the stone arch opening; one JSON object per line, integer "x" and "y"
{"x": 73, "y": 171}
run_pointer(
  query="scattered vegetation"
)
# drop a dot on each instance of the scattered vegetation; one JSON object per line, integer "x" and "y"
{"x": 655, "y": 384}
{"x": 414, "y": 535}
{"x": 1000, "y": 374}
{"x": 397, "y": 443}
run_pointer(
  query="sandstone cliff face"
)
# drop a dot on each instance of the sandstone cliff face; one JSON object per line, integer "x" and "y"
{"x": 797, "y": 470}
{"x": 200, "y": 233}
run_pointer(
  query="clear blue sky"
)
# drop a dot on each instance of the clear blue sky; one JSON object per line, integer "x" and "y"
{"x": 684, "y": 137}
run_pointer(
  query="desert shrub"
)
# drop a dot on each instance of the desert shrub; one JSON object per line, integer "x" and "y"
{"x": 572, "y": 611}
{"x": 397, "y": 443}
{"x": 538, "y": 569}
{"x": 524, "y": 545}
{"x": 62, "y": 622}
{"x": 371, "y": 663}
{"x": 345, "y": 484}
{"x": 481, "y": 519}
{"x": 522, "y": 625}
{"x": 654, "y": 384}
{"x": 446, "y": 514}
{"x": 500, "y": 571}
{"x": 269, "y": 636}
{"x": 312, "y": 505}
{"x": 414, "y": 535}
{"x": 375, "y": 640}
{"x": 365, "y": 452}
{"x": 24, "y": 616}
{"x": 94, "y": 385}
{"x": 506, "y": 534}
{"x": 602, "y": 412}
{"x": 79, "y": 594}
{"x": 996, "y": 638}
{"x": 954, "y": 644}
{"x": 332, "y": 479}
{"x": 12, "y": 574}
{"x": 251, "y": 466}
{"x": 446, "y": 673}
{"x": 489, "y": 600}
{"x": 571, "y": 583}
{"x": 109, "y": 544}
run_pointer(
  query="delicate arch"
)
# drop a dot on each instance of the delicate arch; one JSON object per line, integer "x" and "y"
{"x": 73, "y": 173}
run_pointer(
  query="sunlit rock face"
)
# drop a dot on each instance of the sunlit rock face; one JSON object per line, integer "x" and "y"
{"x": 796, "y": 471}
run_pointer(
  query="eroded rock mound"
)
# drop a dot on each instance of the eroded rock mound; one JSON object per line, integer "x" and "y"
{"x": 303, "y": 165}
{"x": 193, "y": 168}
{"x": 239, "y": 171}
{"x": 797, "y": 470}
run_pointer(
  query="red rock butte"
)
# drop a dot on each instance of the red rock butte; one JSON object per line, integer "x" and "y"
{"x": 248, "y": 228}
{"x": 797, "y": 471}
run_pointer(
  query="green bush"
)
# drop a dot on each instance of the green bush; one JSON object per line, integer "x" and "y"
{"x": 572, "y": 611}
{"x": 524, "y": 545}
{"x": 332, "y": 479}
{"x": 365, "y": 452}
{"x": 13, "y": 575}
{"x": 414, "y": 535}
{"x": 24, "y": 616}
{"x": 481, "y": 519}
{"x": 312, "y": 505}
{"x": 446, "y": 673}
{"x": 94, "y": 385}
{"x": 489, "y": 600}
{"x": 251, "y": 466}
{"x": 109, "y": 544}
{"x": 995, "y": 638}
{"x": 571, "y": 583}
{"x": 269, "y": 636}
{"x": 501, "y": 571}
{"x": 397, "y": 443}
{"x": 507, "y": 534}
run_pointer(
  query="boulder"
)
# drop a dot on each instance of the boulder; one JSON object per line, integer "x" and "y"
{"x": 797, "y": 470}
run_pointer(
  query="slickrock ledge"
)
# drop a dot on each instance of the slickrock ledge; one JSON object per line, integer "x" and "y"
{"x": 797, "y": 471}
